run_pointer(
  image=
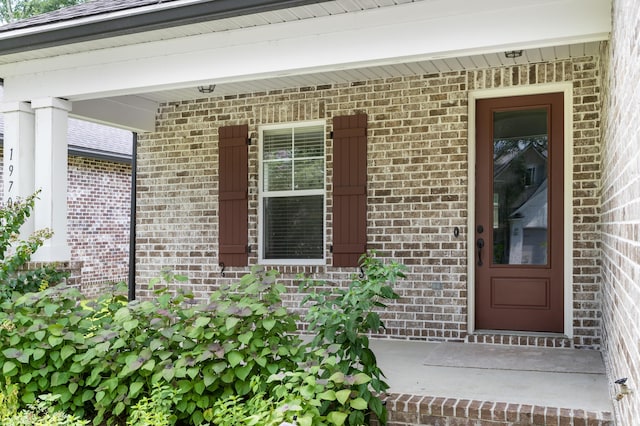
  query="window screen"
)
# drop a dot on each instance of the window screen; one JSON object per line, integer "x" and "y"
{"x": 293, "y": 193}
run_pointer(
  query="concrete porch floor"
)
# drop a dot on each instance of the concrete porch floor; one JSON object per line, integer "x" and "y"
{"x": 570, "y": 379}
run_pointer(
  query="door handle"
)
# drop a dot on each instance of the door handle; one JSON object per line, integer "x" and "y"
{"x": 480, "y": 245}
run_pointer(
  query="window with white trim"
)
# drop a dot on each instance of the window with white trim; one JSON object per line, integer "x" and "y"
{"x": 292, "y": 193}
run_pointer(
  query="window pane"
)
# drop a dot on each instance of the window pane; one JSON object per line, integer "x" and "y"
{"x": 277, "y": 144}
{"x": 277, "y": 176}
{"x": 309, "y": 142}
{"x": 293, "y": 227}
{"x": 309, "y": 174}
{"x": 520, "y": 187}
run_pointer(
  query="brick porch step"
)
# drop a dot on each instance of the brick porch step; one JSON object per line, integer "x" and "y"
{"x": 475, "y": 384}
{"x": 416, "y": 410}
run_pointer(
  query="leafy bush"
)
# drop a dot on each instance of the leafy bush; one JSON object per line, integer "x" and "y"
{"x": 102, "y": 357}
{"x": 156, "y": 409}
{"x": 337, "y": 381}
{"x": 16, "y": 253}
{"x": 340, "y": 320}
{"x": 235, "y": 359}
{"x": 42, "y": 413}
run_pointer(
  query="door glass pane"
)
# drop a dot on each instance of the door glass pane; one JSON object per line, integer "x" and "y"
{"x": 520, "y": 182}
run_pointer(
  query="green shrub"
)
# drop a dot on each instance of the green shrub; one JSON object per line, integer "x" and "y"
{"x": 337, "y": 381}
{"x": 235, "y": 359}
{"x": 42, "y": 413}
{"x": 16, "y": 253}
{"x": 341, "y": 320}
{"x": 155, "y": 410}
{"x": 101, "y": 357}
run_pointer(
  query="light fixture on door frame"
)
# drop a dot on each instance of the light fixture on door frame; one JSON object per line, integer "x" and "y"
{"x": 512, "y": 54}
{"x": 207, "y": 89}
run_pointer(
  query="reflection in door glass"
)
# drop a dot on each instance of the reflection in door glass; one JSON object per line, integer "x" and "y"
{"x": 520, "y": 182}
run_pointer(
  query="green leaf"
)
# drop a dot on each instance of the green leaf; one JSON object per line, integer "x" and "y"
{"x": 234, "y": 358}
{"x": 360, "y": 379}
{"x": 209, "y": 378}
{"x": 67, "y": 351}
{"x": 243, "y": 372}
{"x": 87, "y": 395}
{"x": 242, "y": 387}
{"x": 54, "y": 340}
{"x": 168, "y": 373}
{"x": 25, "y": 378}
{"x": 307, "y": 392}
{"x": 155, "y": 344}
{"x": 135, "y": 388}
{"x": 202, "y": 321}
{"x": 130, "y": 325}
{"x": 24, "y": 357}
{"x": 337, "y": 418}
{"x": 231, "y": 322}
{"x": 199, "y": 387}
{"x": 245, "y": 337}
{"x": 123, "y": 314}
{"x": 149, "y": 365}
{"x": 50, "y": 309}
{"x": 9, "y": 368}
{"x": 29, "y": 398}
{"x": 373, "y": 321}
{"x": 305, "y": 420}
{"x": 358, "y": 404}
{"x": 12, "y": 353}
{"x": 328, "y": 395}
{"x": 337, "y": 377}
{"x": 376, "y": 406}
{"x": 343, "y": 395}
{"x": 58, "y": 378}
{"x": 268, "y": 324}
{"x": 55, "y": 329}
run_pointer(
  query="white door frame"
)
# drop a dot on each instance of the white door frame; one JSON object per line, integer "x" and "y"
{"x": 567, "y": 89}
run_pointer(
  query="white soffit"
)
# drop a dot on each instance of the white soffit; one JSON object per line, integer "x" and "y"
{"x": 326, "y": 43}
{"x": 466, "y": 63}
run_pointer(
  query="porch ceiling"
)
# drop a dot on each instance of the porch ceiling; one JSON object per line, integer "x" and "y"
{"x": 120, "y": 80}
{"x": 461, "y": 63}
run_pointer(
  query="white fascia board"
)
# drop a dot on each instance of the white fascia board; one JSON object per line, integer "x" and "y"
{"x": 414, "y": 31}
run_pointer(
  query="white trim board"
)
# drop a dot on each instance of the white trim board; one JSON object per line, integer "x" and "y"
{"x": 567, "y": 89}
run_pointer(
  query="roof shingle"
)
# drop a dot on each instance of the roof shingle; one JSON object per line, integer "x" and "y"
{"x": 91, "y": 8}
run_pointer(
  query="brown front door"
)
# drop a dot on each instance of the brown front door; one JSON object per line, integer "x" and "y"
{"x": 519, "y": 213}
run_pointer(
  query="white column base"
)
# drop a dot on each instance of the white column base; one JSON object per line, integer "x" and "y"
{"x": 52, "y": 253}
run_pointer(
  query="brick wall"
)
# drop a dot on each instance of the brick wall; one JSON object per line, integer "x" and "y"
{"x": 621, "y": 206}
{"x": 417, "y": 188}
{"x": 99, "y": 200}
{"x": 99, "y": 194}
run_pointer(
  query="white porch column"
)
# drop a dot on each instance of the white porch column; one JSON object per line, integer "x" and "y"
{"x": 18, "y": 154}
{"x": 51, "y": 155}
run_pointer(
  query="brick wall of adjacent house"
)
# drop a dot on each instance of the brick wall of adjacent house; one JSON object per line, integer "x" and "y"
{"x": 417, "y": 187}
{"x": 621, "y": 206}
{"x": 99, "y": 200}
{"x": 99, "y": 194}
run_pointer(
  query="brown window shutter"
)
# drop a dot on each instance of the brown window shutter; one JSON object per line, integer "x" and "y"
{"x": 349, "y": 189}
{"x": 232, "y": 196}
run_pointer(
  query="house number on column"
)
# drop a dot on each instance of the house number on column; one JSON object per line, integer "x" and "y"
{"x": 11, "y": 179}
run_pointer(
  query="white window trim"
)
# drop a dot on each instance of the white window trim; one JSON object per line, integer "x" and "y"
{"x": 261, "y": 195}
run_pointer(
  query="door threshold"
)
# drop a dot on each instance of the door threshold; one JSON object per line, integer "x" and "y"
{"x": 520, "y": 338}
